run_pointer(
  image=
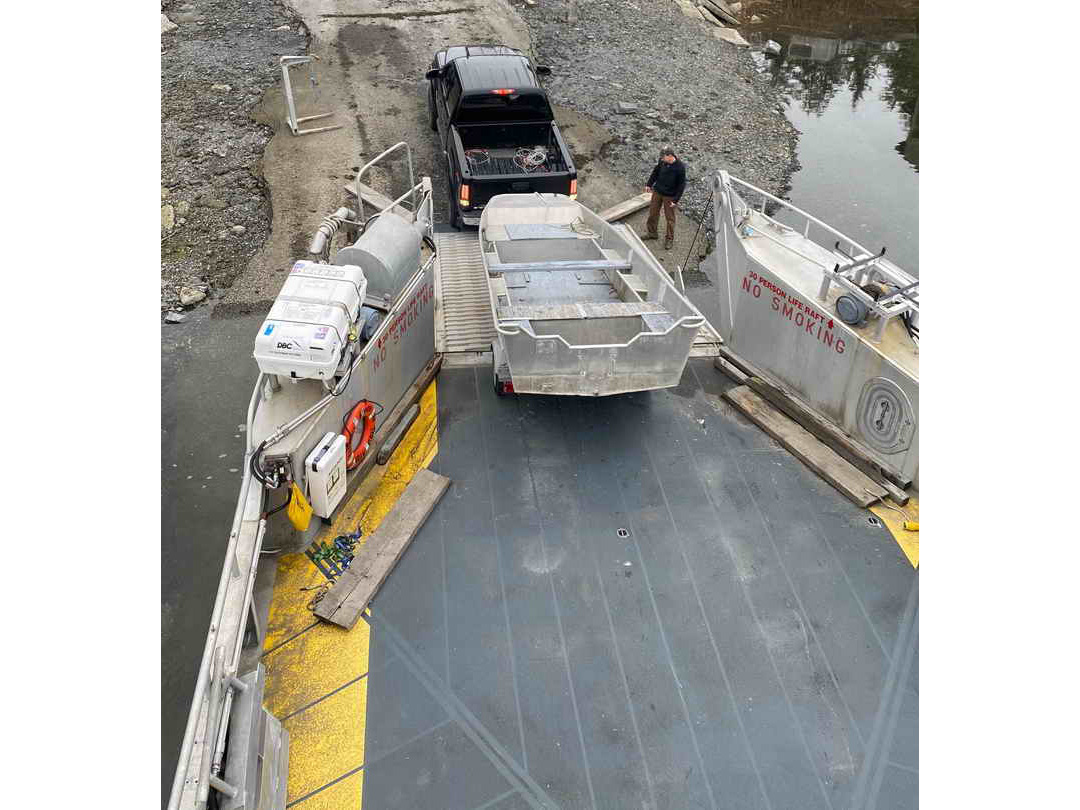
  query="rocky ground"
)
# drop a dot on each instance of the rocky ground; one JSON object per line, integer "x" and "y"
{"x": 238, "y": 204}
{"x": 215, "y": 211}
{"x": 678, "y": 84}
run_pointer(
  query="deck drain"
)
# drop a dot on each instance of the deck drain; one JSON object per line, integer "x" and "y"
{"x": 623, "y": 533}
{"x": 873, "y": 521}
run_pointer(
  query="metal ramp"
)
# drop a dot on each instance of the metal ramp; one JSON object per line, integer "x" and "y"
{"x": 464, "y": 329}
{"x": 463, "y": 325}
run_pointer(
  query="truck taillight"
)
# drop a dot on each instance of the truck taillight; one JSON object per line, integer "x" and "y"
{"x": 463, "y": 198}
{"x": 502, "y": 91}
{"x": 573, "y": 189}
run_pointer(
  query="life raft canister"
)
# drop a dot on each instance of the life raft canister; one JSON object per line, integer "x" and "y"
{"x": 364, "y": 410}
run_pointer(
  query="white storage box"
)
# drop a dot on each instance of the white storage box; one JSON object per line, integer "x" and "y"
{"x": 325, "y": 468}
{"x": 308, "y": 325}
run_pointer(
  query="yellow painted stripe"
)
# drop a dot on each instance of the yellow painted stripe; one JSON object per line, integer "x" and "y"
{"x": 908, "y": 541}
{"x": 316, "y": 675}
{"x": 327, "y": 741}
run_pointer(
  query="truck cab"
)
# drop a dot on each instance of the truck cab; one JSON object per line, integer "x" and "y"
{"x": 496, "y": 128}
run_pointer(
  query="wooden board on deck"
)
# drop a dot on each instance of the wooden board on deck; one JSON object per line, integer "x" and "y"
{"x": 626, "y": 207}
{"x": 823, "y": 460}
{"x": 354, "y": 589}
{"x": 826, "y": 431}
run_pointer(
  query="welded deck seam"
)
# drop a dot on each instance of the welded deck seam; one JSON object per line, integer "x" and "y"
{"x": 874, "y": 763}
{"x": 492, "y": 802}
{"x": 319, "y": 700}
{"x": 364, "y": 766}
{"x": 708, "y": 630}
{"x": 483, "y": 739}
{"x": 293, "y": 637}
{"x": 803, "y": 614}
{"x": 615, "y": 644}
{"x": 757, "y": 620}
{"x": 498, "y": 566}
{"x": 329, "y": 784}
{"x": 667, "y": 648}
{"x": 840, "y": 565}
{"x": 558, "y": 613}
{"x": 804, "y": 618}
{"x": 900, "y": 767}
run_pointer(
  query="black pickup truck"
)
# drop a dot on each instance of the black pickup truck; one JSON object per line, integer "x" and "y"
{"x": 495, "y": 127}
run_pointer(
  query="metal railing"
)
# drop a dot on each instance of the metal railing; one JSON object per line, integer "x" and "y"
{"x": 216, "y": 675}
{"x": 412, "y": 180}
{"x": 857, "y": 260}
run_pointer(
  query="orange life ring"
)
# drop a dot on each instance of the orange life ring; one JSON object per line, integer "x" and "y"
{"x": 365, "y": 410}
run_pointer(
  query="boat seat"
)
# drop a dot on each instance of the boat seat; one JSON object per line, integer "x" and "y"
{"x": 580, "y": 311}
{"x": 558, "y": 266}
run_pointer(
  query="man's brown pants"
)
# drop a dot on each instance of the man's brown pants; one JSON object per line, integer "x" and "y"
{"x": 668, "y": 204}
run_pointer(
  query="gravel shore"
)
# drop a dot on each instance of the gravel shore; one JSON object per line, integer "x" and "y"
{"x": 702, "y": 96}
{"x": 215, "y": 209}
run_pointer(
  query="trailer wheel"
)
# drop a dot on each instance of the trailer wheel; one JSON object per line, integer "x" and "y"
{"x": 501, "y": 387}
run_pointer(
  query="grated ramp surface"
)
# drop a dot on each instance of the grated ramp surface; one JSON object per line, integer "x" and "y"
{"x": 463, "y": 313}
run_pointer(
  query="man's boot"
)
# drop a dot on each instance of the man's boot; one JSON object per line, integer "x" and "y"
{"x": 648, "y": 236}
{"x": 668, "y": 243}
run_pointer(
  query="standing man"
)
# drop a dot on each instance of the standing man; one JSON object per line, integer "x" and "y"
{"x": 666, "y": 183}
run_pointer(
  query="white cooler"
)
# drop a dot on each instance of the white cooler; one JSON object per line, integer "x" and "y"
{"x": 308, "y": 325}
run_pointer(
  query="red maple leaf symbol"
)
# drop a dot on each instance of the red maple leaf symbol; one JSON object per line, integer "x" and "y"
{"x": 830, "y": 323}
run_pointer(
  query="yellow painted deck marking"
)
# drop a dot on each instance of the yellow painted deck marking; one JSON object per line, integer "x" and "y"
{"x": 327, "y": 741}
{"x": 908, "y": 541}
{"x": 342, "y": 795}
{"x": 327, "y": 738}
{"x": 327, "y": 655}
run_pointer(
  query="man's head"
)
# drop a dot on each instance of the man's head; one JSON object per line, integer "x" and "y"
{"x": 667, "y": 154}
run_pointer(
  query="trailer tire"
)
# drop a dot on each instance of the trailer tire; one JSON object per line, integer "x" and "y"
{"x": 500, "y": 391}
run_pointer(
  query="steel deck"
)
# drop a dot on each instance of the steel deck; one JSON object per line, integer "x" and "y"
{"x": 636, "y": 602}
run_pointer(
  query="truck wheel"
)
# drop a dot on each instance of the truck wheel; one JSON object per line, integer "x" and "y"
{"x": 431, "y": 110}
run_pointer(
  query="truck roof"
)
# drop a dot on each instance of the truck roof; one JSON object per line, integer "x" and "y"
{"x": 486, "y": 67}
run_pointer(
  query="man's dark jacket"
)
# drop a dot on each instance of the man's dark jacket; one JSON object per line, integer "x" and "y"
{"x": 669, "y": 180}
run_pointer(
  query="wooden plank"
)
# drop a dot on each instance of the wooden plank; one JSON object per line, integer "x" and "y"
{"x": 852, "y": 483}
{"x": 397, "y": 434}
{"x": 626, "y": 207}
{"x": 708, "y": 16}
{"x": 720, "y": 9}
{"x": 730, "y": 370}
{"x": 372, "y": 197}
{"x": 826, "y": 431}
{"x": 354, "y": 589}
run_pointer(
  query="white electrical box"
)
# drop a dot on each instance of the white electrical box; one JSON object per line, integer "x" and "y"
{"x": 325, "y": 468}
{"x": 308, "y": 326}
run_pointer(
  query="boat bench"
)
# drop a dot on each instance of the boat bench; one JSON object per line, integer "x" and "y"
{"x": 580, "y": 311}
{"x": 578, "y": 266}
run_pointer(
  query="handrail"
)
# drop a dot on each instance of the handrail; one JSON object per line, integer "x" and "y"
{"x": 790, "y": 207}
{"x": 376, "y": 159}
{"x": 209, "y": 649}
